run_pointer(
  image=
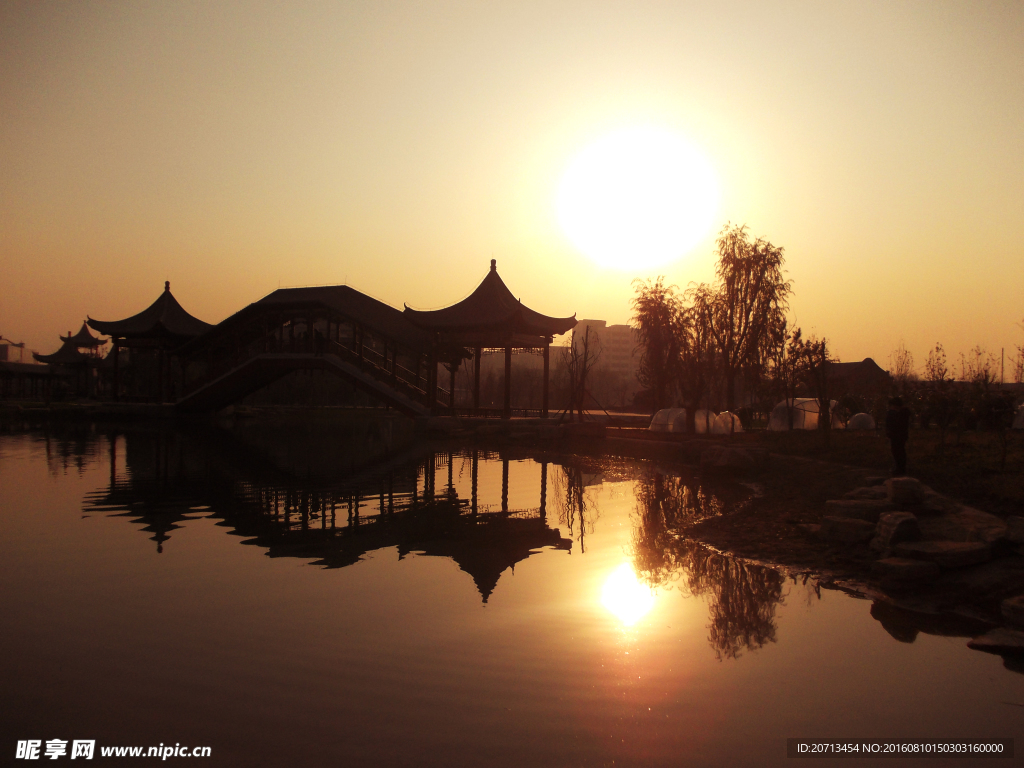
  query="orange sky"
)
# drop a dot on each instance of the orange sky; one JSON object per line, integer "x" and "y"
{"x": 232, "y": 148}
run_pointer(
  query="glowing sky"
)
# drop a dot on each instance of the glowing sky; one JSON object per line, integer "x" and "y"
{"x": 234, "y": 147}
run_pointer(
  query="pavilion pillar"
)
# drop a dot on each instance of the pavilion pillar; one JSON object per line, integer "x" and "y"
{"x": 477, "y": 353}
{"x": 547, "y": 369}
{"x": 476, "y": 460}
{"x": 451, "y": 384}
{"x": 504, "y": 485}
{"x": 543, "y": 490}
{"x": 161, "y": 368}
{"x": 117, "y": 369}
{"x": 507, "y": 411}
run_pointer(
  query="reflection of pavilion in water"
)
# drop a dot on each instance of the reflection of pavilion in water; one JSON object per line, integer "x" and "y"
{"x": 428, "y": 504}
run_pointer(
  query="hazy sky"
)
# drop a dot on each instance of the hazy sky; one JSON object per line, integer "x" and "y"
{"x": 232, "y": 148}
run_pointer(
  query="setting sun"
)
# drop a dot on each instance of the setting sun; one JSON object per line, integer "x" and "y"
{"x": 637, "y": 198}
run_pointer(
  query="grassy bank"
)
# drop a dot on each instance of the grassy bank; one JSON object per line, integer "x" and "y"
{"x": 969, "y": 466}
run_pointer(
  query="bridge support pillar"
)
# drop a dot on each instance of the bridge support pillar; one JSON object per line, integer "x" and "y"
{"x": 507, "y": 412}
{"x": 476, "y": 381}
{"x": 547, "y": 368}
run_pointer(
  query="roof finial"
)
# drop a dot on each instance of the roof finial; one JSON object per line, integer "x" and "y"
{"x": 494, "y": 265}
{"x": 167, "y": 286}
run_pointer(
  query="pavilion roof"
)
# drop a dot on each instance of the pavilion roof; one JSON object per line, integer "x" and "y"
{"x": 68, "y": 354}
{"x": 491, "y": 309}
{"x": 368, "y": 311}
{"x": 84, "y": 338}
{"x": 162, "y": 319}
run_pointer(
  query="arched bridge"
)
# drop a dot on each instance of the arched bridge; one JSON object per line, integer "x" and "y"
{"x": 334, "y": 329}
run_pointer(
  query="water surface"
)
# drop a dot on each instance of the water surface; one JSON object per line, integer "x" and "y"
{"x": 330, "y": 597}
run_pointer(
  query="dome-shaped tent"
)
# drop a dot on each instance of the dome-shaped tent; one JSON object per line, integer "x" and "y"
{"x": 703, "y": 421}
{"x": 726, "y": 423}
{"x": 804, "y": 413}
{"x": 669, "y": 420}
{"x": 861, "y": 421}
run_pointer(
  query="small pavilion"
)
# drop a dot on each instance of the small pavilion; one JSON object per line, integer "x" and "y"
{"x": 493, "y": 318}
{"x": 157, "y": 331}
{"x": 85, "y": 340}
{"x": 69, "y": 364}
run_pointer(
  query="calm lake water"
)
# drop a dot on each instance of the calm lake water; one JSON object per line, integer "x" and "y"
{"x": 321, "y": 595}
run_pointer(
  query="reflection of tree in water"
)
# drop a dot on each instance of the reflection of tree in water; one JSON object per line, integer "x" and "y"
{"x": 576, "y": 508}
{"x": 742, "y": 597}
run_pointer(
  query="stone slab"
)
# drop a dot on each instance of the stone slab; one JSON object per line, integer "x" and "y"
{"x": 999, "y": 640}
{"x": 904, "y": 491}
{"x": 1015, "y": 529}
{"x": 861, "y": 509}
{"x": 867, "y": 492}
{"x": 963, "y": 524}
{"x": 935, "y": 503}
{"x": 1013, "y": 611}
{"x": 847, "y": 530}
{"x": 893, "y": 528}
{"x": 946, "y": 554}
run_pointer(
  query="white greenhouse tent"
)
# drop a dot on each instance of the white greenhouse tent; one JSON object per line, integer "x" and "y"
{"x": 861, "y": 421}
{"x": 674, "y": 420}
{"x": 703, "y": 421}
{"x": 805, "y": 414}
{"x": 669, "y": 420}
{"x": 726, "y": 423}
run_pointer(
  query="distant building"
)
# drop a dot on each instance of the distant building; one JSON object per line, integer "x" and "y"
{"x": 614, "y": 377}
{"x": 865, "y": 378}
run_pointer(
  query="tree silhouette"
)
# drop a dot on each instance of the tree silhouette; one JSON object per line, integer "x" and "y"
{"x": 750, "y": 300}
{"x": 741, "y": 597}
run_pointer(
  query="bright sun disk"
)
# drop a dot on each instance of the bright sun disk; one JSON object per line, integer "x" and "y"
{"x": 637, "y": 198}
{"x": 625, "y": 597}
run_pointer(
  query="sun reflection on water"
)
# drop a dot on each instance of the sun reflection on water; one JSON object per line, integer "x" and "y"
{"x": 625, "y": 597}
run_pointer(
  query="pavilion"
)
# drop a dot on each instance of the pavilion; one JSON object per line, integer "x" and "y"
{"x": 85, "y": 340}
{"x": 493, "y": 318}
{"x": 68, "y": 362}
{"x": 155, "y": 332}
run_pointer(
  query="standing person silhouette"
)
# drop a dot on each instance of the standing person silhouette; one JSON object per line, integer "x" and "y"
{"x": 897, "y": 429}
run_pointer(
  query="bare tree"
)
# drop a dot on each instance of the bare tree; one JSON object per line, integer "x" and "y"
{"x": 580, "y": 357}
{"x": 935, "y": 368}
{"x": 901, "y": 367}
{"x": 978, "y": 367}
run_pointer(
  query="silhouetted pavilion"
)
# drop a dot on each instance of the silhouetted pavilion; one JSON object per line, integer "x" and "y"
{"x": 163, "y": 327}
{"x": 68, "y": 355}
{"x": 493, "y": 318}
{"x": 85, "y": 340}
{"x": 68, "y": 362}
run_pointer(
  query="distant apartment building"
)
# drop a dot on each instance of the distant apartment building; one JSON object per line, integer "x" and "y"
{"x": 613, "y": 381}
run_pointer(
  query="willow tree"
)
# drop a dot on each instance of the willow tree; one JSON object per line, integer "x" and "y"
{"x": 750, "y": 300}
{"x": 658, "y": 319}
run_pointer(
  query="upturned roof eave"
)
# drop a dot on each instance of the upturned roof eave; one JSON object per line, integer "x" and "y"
{"x": 490, "y": 307}
{"x": 165, "y": 312}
